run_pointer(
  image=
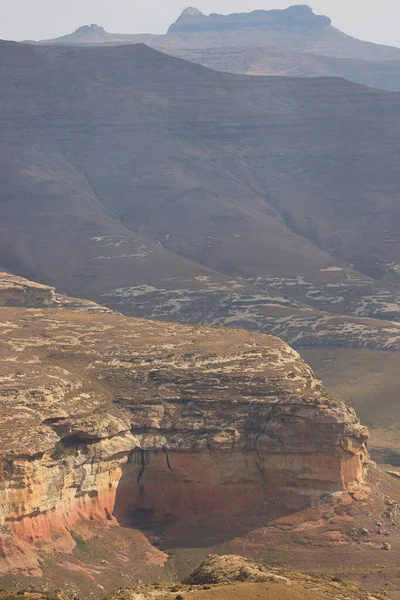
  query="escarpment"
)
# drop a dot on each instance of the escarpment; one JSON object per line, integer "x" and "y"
{"x": 103, "y": 415}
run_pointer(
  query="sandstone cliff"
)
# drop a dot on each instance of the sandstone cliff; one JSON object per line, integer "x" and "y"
{"x": 104, "y": 415}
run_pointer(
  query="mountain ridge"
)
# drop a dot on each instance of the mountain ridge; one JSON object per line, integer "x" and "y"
{"x": 294, "y": 29}
{"x": 290, "y": 42}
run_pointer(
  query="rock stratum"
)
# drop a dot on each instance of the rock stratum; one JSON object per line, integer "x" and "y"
{"x": 103, "y": 417}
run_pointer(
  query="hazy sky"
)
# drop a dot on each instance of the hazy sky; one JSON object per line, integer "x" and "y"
{"x": 375, "y": 20}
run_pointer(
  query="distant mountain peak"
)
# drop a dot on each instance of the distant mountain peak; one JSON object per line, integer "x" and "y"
{"x": 301, "y": 9}
{"x": 191, "y": 12}
{"x": 299, "y": 17}
{"x": 91, "y": 29}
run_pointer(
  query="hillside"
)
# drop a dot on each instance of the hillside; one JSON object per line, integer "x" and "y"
{"x": 167, "y": 190}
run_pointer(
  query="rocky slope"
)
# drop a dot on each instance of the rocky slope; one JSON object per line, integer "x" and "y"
{"x": 226, "y": 577}
{"x": 104, "y": 416}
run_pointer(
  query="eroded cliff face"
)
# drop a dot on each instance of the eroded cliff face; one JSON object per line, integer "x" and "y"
{"x": 104, "y": 415}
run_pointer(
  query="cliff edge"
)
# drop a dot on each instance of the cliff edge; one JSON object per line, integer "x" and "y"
{"x": 103, "y": 415}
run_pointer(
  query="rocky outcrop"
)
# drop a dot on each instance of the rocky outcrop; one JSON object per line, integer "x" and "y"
{"x": 236, "y": 577}
{"x": 90, "y": 29}
{"x": 191, "y": 12}
{"x": 18, "y": 291}
{"x": 230, "y": 569}
{"x": 90, "y": 34}
{"x": 104, "y": 415}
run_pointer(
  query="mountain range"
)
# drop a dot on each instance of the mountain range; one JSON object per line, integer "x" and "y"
{"x": 296, "y": 28}
{"x": 293, "y": 42}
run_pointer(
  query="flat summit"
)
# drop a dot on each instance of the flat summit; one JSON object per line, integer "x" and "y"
{"x": 301, "y": 18}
